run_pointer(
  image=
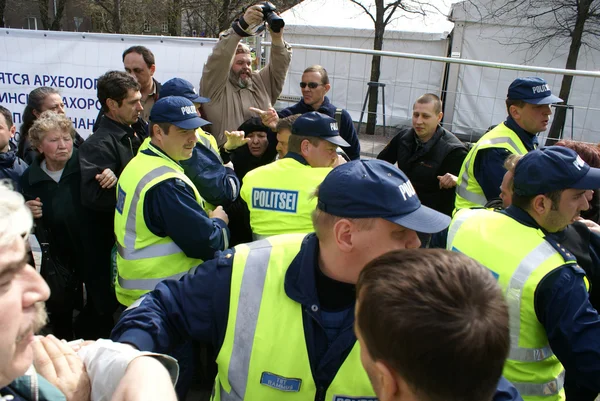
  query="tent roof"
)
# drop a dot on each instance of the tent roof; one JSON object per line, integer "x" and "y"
{"x": 347, "y": 16}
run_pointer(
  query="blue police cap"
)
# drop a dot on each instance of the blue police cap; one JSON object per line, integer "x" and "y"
{"x": 375, "y": 188}
{"x": 532, "y": 90}
{"x": 178, "y": 111}
{"x": 553, "y": 168}
{"x": 318, "y": 125}
{"x": 181, "y": 87}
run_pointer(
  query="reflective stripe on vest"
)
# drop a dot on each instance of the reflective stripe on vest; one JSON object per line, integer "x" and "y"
{"x": 513, "y": 296}
{"x": 479, "y": 233}
{"x": 258, "y": 237}
{"x": 206, "y": 142}
{"x": 147, "y": 284}
{"x": 552, "y": 387}
{"x": 253, "y": 283}
{"x": 462, "y": 188}
{"x": 264, "y": 354}
{"x": 129, "y": 252}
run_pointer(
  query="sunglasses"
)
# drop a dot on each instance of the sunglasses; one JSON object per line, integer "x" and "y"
{"x": 311, "y": 85}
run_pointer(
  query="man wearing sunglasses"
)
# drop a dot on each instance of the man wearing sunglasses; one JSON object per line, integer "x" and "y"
{"x": 314, "y": 87}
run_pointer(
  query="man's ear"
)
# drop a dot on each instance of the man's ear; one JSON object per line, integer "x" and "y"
{"x": 389, "y": 384}
{"x": 13, "y": 130}
{"x": 327, "y": 87}
{"x": 342, "y": 234}
{"x": 152, "y": 69}
{"x": 541, "y": 204}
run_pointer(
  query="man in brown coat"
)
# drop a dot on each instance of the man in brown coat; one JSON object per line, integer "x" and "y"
{"x": 230, "y": 83}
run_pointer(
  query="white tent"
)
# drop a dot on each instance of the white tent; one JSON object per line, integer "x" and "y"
{"x": 481, "y": 92}
{"x": 342, "y": 23}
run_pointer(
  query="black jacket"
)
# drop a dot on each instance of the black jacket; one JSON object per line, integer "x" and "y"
{"x": 62, "y": 213}
{"x": 112, "y": 146}
{"x": 12, "y": 168}
{"x": 443, "y": 153}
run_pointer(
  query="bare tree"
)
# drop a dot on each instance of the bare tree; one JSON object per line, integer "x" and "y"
{"x": 555, "y": 23}
{"x": 49, "y": 15}
{"x": 383, "y": 15}
{"x": 2, "y": 8}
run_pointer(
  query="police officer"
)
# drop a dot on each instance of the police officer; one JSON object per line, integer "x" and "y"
{"x": 528, "y": 105}
{"x": 161, "y": 226}
{"x": 217, "y": 184}
{"x": 553, "y": 325}
{"x": 281, "y": 310}
{"x": 280, "y": 194}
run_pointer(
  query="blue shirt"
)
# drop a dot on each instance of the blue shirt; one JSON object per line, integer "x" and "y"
{"x": 346, "y": 128}
{"x": 489, "y": 163}
{"x": 562, "y": 306}
{"x": 197, "y": 307}
{"x": 171, "y": 210}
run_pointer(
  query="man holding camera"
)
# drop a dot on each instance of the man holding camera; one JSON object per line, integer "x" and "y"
{"x": 228, "y": 79}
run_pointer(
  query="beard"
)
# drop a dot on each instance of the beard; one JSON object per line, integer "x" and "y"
{"x": 241, "y": 82}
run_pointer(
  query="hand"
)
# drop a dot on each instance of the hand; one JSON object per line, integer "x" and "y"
{"x": 447, "y": 180}
{"x": 60, "y": 365}
{"x": 276, "y": 37}
{"x": 219, "y": 213}
{"x": 36, "y": 207}
{"x": 107, "y": 179}
{"x": 340, "y": 160}
{"x": 593, "y": 226}
{"x": 145, "y": 379}
{"x": 269, "y": 118}
{"x": 254, "y": 15}
{"x": 235, "y": 139}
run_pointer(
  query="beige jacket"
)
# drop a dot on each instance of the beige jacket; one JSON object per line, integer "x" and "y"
{"x": 228, "y": 106}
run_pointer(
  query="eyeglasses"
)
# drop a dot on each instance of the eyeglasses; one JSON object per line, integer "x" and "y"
{"x": 311, "y": 85}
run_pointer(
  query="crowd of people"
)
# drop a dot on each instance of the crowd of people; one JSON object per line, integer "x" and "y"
{"x": 209, "y": 222}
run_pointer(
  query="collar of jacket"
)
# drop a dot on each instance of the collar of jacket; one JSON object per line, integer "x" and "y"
{"x": 325, "y": 108}
{"x": 7, "y": 159}
{"x": 300, "y": 283}
{"x": 154, "y": 150}
{"x": 525, "y": 218}
{"x": 116, "y": 129}
{"x": 529, "y": 140}
{"x": 37, "y": 175}
{"x": 297, "y": 157}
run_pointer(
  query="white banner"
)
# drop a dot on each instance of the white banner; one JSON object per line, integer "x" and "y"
{"x": 73, "y": 61}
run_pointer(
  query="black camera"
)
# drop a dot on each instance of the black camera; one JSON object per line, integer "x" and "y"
{"x": 269, "y": 15}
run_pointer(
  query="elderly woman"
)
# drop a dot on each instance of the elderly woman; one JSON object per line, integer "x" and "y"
{"x": 40, "y": 100}
{"x": 52, "y": 186}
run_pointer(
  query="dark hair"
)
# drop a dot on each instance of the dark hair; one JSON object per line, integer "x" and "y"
{"x": 144, "y": 52}
{"x": 320, "y": 70}
{"x": 514, "y": 102}
{"x": 34, "y": 102}
{"x": 524, "y": 201}
{"x": 438, "y": 319}
{"x": 295, "y": 142}
{"x": 431, "y": 98}
{"x": 588, "y": 152}
{"x": 164, "y": 126}
{"x": 115, "y": 85}
{"x": 7, "y": 116}
{"x": 254, "y": 124}
{"x": 286, "y": 122}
